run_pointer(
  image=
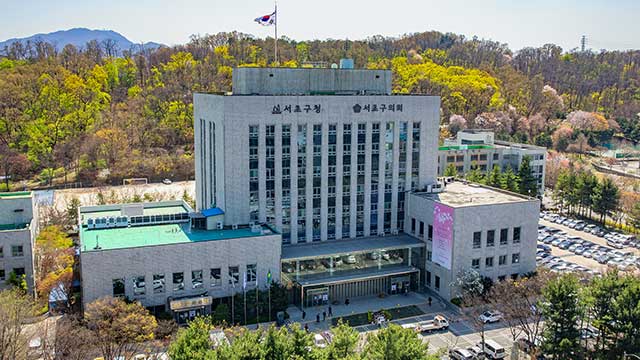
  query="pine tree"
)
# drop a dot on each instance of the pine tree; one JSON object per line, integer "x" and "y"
{"x": 509, "y": 180}
{"x": 494, "y": 177}
{"x": 606, "y": 198}
{"x": 562, "y": 310}
{"x": 527, "y": 183}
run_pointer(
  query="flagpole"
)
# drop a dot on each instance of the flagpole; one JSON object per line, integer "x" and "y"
{"x": 257, "y": 307}
{"x": 276, "y": 30}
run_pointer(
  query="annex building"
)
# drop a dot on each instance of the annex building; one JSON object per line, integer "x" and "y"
{"x": 18, "y": 230}
{"x": 321, "y": 177}
{"x": 479, "y": 148}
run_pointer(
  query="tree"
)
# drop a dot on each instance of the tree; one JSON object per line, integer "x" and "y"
{"x": 15, "y": 308}
{"x": 19, "y": 282}
{"x": 469, "y": 283}
{"x": 509, "y": 180}
{"x": 54, "y": 257}
{"x": 73, "y": 341}
{"x": 72, "y": 211}
{"x": 118, "y": 327}
{"x": 396, "y": 343}
{"x": 245, "y": 346}
{"x": 527, "y": 183}
{"x": 451, "y": 170}
{"x": 300, "y": 341}
{"x": 634, "y": 215}
{"x": 192, "y": 342}
{"x": 275, "y": 345}
{"x": 562, "y": 309}
{"x": 494, "y": 177}
{"x": 605, "y": 198}
{"x": 344, "y": 342}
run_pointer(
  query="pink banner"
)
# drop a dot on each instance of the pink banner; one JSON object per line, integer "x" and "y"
{"x": 442, "y": 235}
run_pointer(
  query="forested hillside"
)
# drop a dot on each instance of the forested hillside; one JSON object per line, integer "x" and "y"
{"x": 82, "y": 115}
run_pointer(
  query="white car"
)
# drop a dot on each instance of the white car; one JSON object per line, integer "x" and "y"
{"x": 167, "y": 182}
{"x": 319, "y": 341}
{"x": 488, "y": 317}
{"x": 349, "y": 259}
{"x": 461, "y": 354}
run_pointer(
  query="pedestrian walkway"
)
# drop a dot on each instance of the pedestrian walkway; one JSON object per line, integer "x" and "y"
{"x": 361, "y": 305}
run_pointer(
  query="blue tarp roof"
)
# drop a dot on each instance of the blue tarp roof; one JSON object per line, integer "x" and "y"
{"x": 212, "y": 212}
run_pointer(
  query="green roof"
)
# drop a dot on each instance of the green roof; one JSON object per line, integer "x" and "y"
{"x": 464, "y": 147}
{"x": 15, "y": 194}
{"x": 150, "y": 235}
{"x": 5, "y": 227}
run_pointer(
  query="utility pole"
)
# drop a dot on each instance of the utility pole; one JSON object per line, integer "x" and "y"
{"x": 583, "y": 43}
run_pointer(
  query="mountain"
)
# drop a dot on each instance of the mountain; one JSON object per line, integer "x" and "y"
{"x": 79, "y": 38}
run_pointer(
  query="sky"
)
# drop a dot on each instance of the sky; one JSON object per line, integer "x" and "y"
{"x": 607, "y": 24}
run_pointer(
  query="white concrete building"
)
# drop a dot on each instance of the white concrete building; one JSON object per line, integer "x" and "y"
{"x": 18, "y": 230}
{"x": 478, "y": 147}
{"x": 493, "y": 231}
{"x": 160, "y": 254}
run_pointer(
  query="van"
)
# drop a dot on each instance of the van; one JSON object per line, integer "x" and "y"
{"x": 493, "y": 350}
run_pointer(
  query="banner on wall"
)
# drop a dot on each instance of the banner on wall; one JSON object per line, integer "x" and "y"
{"x": 442, "y": 235}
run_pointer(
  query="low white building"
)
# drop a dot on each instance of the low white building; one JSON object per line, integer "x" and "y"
{"x": 163, "y": 256}
{"x": 18, "y": 230}
{"x": 469, "y": 226}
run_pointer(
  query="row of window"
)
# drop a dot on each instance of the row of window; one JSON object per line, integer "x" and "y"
{"x": 491, "y": 237}
{"x": 16, "y": 251}
{"x": 421, "y": 229}
{"x": 502, "y": 261}
{"x": 159, "y": 284}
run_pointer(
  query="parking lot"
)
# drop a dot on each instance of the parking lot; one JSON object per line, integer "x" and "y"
{"x": 585, "y": 248}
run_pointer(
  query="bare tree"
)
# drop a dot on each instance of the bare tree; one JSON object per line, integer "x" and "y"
{"x": 15, "y": 307}
{"x": 73, "y": 341}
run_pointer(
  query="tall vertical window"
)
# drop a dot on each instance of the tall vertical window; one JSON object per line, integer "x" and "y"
{"x": 331, "y": 182}
{"x": 504, "y": 236}
{"x": 491, "y": 238}
{"x": 196, "y": 279}
{"x": 158, "y": 283}
{"x": 402, "y": 170}
{"x": 388, "y": 175}
{"x": 270, "y": 168}
{"x": 516, "y": 235}
{"x": 286, "y": 183}
{"x": 178, "y": 281}
{"x": 362, "y": 136}
{"x": 215, "y": 277}
{"x": 252, "y": 271}
{"x": 234, "y": 275}
{"x": 375, "y": 173}
{"x": 477, "y": 239}
{"x": 346, "y": 180}
{"x": 415, "y": 156}
{"x": 139, "y": 285}
{"x": 317, "y": 179}
{"x": 302, "y": 184}
{"x": 254, "y": 185}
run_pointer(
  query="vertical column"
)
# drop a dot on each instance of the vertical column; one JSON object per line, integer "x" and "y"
{"x": 309, "y": 183}
{"x": 294, "y": 183}
{"x": 367, "y": 181}
{"x": 278, "y": 176}
{"x": 324, "y": 173}
{"x": 262, "y": 170}
{"x": 409, "y": 156}
{"x": 339, "y": 154}
{"x": 381, "y": 174}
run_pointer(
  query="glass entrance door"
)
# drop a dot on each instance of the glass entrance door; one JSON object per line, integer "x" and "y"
{"x": 316, "y": 297}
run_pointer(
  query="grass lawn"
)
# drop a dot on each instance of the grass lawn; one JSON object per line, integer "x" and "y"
{"x": 396, "y": 313}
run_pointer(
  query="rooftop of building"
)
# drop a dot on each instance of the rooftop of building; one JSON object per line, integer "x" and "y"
{"x": 310, "y": 81}
{"x": 458, "y": 194}
{"x": 473, "y": 139}
{"x": 364, "y": 244}
{"x": 158, "y": 234}
{"x": 134, "y": 209}
{"x": 15, "y": 195}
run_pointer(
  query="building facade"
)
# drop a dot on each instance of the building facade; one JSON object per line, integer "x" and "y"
{"x": 163, "y": 256}
{"x": 478, "y": 147}
{"x": 18, "y": 230}
{"x": 492, "y": 231}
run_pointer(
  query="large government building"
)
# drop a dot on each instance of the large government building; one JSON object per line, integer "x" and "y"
{"x": 321, "y": 177}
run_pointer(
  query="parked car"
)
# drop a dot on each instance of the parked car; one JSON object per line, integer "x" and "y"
{"x": 491, "y": 316}
{"x": 350, "y": 259}
{"x": 461, "y": 354}
{"x": 167, "y": 181}
{"x": 493, "y": 349}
